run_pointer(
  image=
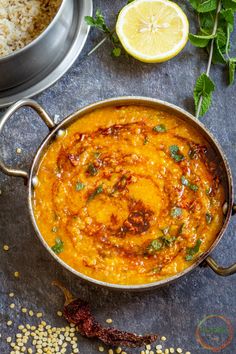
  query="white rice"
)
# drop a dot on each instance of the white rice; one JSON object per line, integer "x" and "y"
{"x": 23, "y": 20}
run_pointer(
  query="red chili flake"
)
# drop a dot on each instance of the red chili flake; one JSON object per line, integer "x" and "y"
{"x": 78, "y": 312}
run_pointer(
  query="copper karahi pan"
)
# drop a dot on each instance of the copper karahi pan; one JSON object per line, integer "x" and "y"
{"x": 229, "y": 207}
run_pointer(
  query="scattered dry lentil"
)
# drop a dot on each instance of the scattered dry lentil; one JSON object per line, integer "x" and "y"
{"x": 6, "y": 248}
{"x": 18, "y": 150}
{"x": 118, "y": 350}
{"x": 101, "y": 349}
{"x": 109, "y": 320}
{"x": 179, "y": 350}
{"x": 24, "y": 310}
{"x": 16, "y": 274}
{"x": 44, "y": 338}
{"x": 148, "y": 347}
{"x": 59, "y": 313}
{"x": 12, "y": 306}
{"x": 11, "y": 294}
{"x": 9, "y": 323}
{"x": 163, "y": 338}
{"x": 172, "y": 350}
{"x": 31, "y": 313}
{"x": 110, "y": 351}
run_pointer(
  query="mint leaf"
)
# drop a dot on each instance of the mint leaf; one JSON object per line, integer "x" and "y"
{"x": 204, "y": 87}
{"x": 232, "y": 66}
{"x": 204, "y": 6}
{"x": 191, "y": 252}
{"x": 176, "y": 212}
{"x": 97, "y": 22}
{"x": 229, "y": 4}
{"x": 228, "y": 16}
{"x": 200, "y": 41}
{"x": 206, "y": 21}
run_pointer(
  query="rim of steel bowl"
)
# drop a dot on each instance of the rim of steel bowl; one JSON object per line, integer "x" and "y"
{"x": 40, "y": 36}
{"x": 119, "y": 101}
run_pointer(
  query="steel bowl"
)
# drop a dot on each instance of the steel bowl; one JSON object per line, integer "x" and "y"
{"x": 37, "y": 56}
{"x": 228, "y": 208}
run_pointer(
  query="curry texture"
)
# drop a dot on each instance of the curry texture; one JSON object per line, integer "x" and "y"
{"x": 128, "y": 195}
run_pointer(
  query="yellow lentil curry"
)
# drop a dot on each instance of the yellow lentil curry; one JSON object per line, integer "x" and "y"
{"x": 128, "y": 195}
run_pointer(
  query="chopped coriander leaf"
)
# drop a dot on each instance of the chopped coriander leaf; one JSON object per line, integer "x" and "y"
{"x": 192, "y": 251}
{"x": 160, "y": 128}
{"x": 208, "y": 218}
{"x": 175, "y": 153}
{"x": 59, "y": 246}
{"x": 193, "y": 187}
{"x": 97, "y": 154}
{"x": 92, "y": 170}
{"x": 165, "y": 231}
{"x": 79, "y": 186}
{"x": 181, "y": 229}
{"x": 155, "y": 245}
{"x": 96, "y": 192}
{"x": 176, "y": 212}
{"x": 54, "y": 229}
{"x": 186, "y": 183}
{"x": 168, "y": 240}
{"x": 160, "y": 243}
{"x": 156, "y": 270}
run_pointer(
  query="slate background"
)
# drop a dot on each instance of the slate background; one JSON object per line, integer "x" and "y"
{"x": 173, "y": 311}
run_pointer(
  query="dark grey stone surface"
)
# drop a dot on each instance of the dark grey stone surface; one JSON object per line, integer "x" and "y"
{"x": 173, "y": 311}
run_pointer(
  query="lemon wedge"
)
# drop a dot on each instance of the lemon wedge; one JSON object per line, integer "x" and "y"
{"x": 152, "y": 31}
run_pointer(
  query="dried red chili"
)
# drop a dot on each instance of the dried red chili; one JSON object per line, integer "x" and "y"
{"x": 77, "y": 311}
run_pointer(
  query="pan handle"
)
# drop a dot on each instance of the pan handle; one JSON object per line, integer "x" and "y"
{"x": 224, "y": 272}
{"x": 220, "y": 270}
{"x": 10, "y": 111}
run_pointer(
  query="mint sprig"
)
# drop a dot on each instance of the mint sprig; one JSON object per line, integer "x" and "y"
{"x": 98, "y": 22}
{"x": 216, "y": 24}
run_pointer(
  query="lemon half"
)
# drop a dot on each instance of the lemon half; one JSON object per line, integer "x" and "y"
{"x": 152, "y": 30}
